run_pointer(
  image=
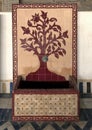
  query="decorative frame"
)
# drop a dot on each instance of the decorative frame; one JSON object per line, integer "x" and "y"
{"x": 53, "y": 104}
{"x": 16, "y": 8}
{"x": 51, "y": 39}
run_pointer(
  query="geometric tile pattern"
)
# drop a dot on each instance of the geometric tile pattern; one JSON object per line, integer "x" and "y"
{"x": 46, "y": 104}
{"x": 85, "y": 125}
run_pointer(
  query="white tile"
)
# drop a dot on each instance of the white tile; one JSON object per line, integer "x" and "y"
{"x": 7, "y": 87}
{"x": 84, "y": 87}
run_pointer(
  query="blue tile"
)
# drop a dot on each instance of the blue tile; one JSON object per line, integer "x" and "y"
{"x": 2, "y": 115}
{"x": 87, "y": 95}
{"x": 11, "y": 87}
{"x": 88, "y": 126}
{"x": 5, "y": 129}
{"x": 5, "y": 114}
{"x": 89, "y": 114}
{"x": 76, "y": 127}
{"x": 10, "y": 115}
{"x": 22, "y": 124}
{"x": 56, "y": 126}
{"x": 66, "y": 125}
{"x": 81, "y": 87}
{"x": 44, "y": 124}
{"x": 16, "y": 125}
{"x": 85, "y": 114}
{"x": 5, "y": 95}
{"x": 2, "y": 122}
{"x": 36, "y": 126}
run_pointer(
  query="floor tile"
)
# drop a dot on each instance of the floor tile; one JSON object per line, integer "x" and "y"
{"x": 49, "y": 127}
{"x": 5, "y": 103}
{"x": 70, "y": 128}
{"x": 7, "y": 125}
{"x": 27, "y": 126}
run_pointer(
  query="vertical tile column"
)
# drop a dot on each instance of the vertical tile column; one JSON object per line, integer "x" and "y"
{"x": 6, "y": 86}
{"x": 85, "y": 86}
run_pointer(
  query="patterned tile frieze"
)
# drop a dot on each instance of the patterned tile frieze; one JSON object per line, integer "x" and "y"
{"x": 49, "y": 105}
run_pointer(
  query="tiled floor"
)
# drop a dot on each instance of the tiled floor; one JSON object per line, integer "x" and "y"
{"x": 46, "y": 126}
{"x": 6, "y": 123}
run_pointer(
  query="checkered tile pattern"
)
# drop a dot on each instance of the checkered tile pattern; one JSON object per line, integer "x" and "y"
{"x": 43, "y": 74}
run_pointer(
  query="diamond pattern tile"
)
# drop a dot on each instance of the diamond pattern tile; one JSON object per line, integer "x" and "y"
{"x": 82, "y": 125}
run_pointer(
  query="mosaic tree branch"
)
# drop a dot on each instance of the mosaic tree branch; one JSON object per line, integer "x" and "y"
{"x": 44, "y": 36}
